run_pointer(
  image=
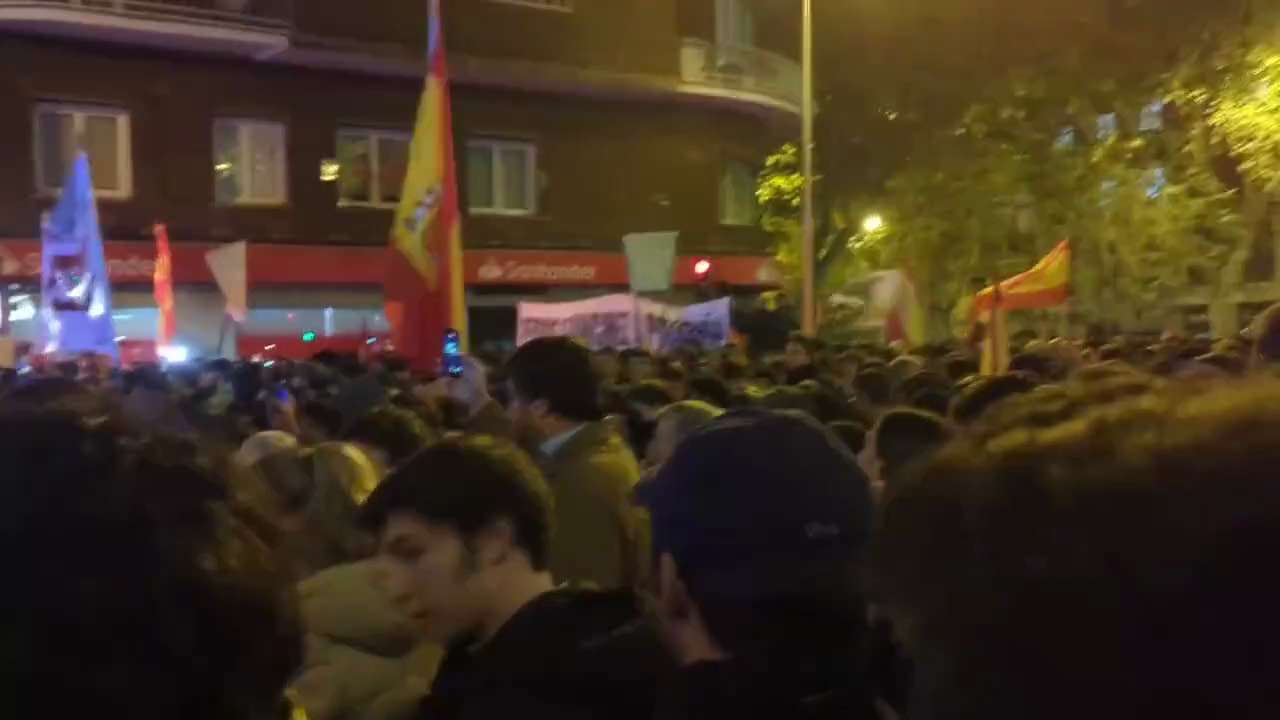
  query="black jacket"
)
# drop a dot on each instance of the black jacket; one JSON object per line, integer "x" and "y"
{"x": 568, "y": 655}
{"x": 826, "y": 690}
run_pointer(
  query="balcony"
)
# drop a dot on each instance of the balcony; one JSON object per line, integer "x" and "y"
{"x": 247, "y": 28}
{"x": 740, "y": 73}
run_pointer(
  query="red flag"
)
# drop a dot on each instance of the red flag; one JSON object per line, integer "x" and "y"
{"x": 163, "y": 286}
{"x": 424, "y": 289}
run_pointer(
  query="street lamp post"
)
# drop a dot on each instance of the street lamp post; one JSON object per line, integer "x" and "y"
{"x": 809, "y": 319}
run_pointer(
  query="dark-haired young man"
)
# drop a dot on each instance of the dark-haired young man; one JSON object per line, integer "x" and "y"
{"x": 555, "y": 410}
{"x": 465, "y": 529}
{"x": 757, "y": 579}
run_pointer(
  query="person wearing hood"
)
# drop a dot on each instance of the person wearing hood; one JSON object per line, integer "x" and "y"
{"x": 464, "y": 529}
{"x": 364, "y": 659}
{"x": 756, "y": 580}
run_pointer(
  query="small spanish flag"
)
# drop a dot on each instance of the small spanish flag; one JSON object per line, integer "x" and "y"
{"x": 1045, "y": 285}
{"x": 162, "y": 284}
{"x": 424, "y": 287}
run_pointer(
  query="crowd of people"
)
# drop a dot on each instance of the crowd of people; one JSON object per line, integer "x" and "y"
{"x": 832, "y": 532}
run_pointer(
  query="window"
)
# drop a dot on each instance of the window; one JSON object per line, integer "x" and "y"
{"x": 735, "y": 25}
{"x": 562, "y": 5}
{"x": 1152, "y": 118}
{"x": 1108, "y": 126}
{"x": 1066, "y": 138}
{"x": 1157, "y": 181}
{"x": 249, "y": 162}
{"x": 61, "y": 131}
{"x": 501, "y": 177}
{"x": 373, "y": 165}
{"x": 738, "y": 195}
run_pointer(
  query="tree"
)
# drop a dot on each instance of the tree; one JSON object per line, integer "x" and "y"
{"x": 778, "y": 194}
{"x": 997, "y": 153}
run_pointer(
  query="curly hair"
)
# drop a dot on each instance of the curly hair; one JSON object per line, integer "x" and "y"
{"x": 1107, "y": 565}
{"x": 137, "y": 588}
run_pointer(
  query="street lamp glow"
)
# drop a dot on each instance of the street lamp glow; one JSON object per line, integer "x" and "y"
{"x": 873, "y": 223}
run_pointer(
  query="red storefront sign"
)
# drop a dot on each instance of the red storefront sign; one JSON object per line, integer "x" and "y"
{"x": 133, "y": 262}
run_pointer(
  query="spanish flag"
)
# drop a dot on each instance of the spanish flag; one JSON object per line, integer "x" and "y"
{"x": 424, "y": 290}
{"x": 1046, "y": 285}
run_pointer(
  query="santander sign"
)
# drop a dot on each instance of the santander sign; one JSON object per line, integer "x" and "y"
{"x": 495, "y": 271}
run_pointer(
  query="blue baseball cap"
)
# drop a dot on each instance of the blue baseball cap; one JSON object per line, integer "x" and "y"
{"x": 759, "y": 502}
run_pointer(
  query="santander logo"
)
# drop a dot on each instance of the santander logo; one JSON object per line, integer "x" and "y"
{"x": 494, "y": 271}
{"x": 10, "y": 266}
{"x": 491, "y": 270}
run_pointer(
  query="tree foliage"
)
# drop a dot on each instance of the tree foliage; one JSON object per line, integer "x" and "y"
{"x": 1048, "y": 132}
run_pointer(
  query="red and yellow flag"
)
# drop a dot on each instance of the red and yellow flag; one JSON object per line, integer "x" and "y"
{"x": 1046, "y": 285}
{"x": 424, "y": 290}
{"x": 162, "y": 286}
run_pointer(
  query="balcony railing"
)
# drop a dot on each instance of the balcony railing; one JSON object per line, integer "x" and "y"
{"x": 732, "y": 70}
{"x": 243, "y": 27}
{"x": 256, "y": 13}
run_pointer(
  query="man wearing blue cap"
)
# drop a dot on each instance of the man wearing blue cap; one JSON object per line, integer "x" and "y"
{"x": 759, "y": 522}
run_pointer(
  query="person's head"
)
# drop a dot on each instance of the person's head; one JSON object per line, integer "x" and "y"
{"x": 901, "y": 437}
{"x": 389, "y": 435}
{"x": 959, "y": 367}
{"x": 934, "y": 399}
{"x": 758, "y": 522}
{"x": 321, "y": 419}
{"x": 637, "y": 365}
{"x": 552, "y": 388}
{"x": 903, "y": 367}
{"x": 1110, "y": 566}
{"x": 675, "y": 423}
{"x": 648, "y": 397}
{"x": 607, "y": 364}
{"x": 314, "y": 496}
{"x": 799, "y": 352}
{"x": 464, "y": 528}
{"x": 1266, "y": 337}
{"x": 135, "y": 588}
{"x": 1039, "y": 364}
{"x": 673, "y": 375}
{"x": 852, "y": 434}
{"x": 258, "y": 446}
{"x": 639, "y": 412}
{"x": 709, "y": 389}
{"x": 982, "y": 395}
{"x": 873, "y": 386}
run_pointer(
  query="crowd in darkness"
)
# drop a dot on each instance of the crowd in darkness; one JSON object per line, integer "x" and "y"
{"x": 859, "y": 532}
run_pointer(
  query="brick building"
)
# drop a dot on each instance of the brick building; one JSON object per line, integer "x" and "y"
{"x": 286, "y": 124}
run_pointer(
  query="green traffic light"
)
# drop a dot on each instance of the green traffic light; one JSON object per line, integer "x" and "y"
{"x": 308, "y": 337}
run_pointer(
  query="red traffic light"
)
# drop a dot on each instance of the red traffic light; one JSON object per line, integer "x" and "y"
{"x": 702, "y": 268}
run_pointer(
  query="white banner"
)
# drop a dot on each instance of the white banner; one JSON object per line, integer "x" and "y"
{"x": 625, "y": 321}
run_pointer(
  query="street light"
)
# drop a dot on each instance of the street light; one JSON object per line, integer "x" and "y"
{"x": 808, "y": 308}
{"x": 873, "y": 223}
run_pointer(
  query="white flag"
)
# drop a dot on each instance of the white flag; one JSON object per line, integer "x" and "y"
{"x": 229, "y": 267}
{"x": 651, "y": 260}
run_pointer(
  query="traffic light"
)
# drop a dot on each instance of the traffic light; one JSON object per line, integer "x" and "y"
{"x": 702, "y": 269}
{"x": 309, "y": 336}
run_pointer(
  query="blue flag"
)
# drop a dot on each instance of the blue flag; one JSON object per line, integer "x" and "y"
{"x": 75, "y": 292}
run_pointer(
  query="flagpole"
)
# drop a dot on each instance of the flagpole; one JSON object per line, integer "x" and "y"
{"x": 4, "y": 310}
{"x": 222, "y": 333}
{"x": 808, "y": 304}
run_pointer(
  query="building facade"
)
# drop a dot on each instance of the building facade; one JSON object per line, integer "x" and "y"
{"x": 287, "y": 124}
